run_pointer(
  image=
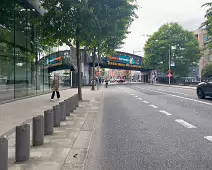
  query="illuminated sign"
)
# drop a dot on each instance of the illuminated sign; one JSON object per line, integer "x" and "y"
{"x": 54, "y": 59}
{"x": 123, "y": 65}
{"x": 127, "y": 60}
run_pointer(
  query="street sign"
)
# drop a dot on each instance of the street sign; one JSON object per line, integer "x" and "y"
{"x": 169, "y": 75}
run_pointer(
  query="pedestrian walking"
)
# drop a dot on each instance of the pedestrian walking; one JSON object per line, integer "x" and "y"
{"x": 55, "y": 87}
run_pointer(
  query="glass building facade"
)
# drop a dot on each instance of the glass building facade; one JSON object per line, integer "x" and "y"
{"x": 21, "y": 71}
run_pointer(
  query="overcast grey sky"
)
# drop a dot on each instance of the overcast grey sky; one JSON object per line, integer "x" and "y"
{"x": 155, "y": 13}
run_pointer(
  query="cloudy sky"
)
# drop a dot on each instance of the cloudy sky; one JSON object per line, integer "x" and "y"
{"x": 155, "y": 13}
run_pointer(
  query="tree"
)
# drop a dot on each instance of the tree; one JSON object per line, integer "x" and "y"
{"x": 93, "y": 24}
{"x": 185, "y": 54}
{"x": 208, "y": 24}
{"x": 207, "y": 71}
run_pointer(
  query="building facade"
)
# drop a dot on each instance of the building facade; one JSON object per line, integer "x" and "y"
{"x": 25, "y": 65}
{"x": 20, "y": 72}
{"x": 201, "y": 35}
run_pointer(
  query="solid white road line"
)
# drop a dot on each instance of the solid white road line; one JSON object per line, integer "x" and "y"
{"x": 165, "y": 112}
{"x": 145, "y": 101}
{"x": 155, "y": 107}
{"x": 208, "y": 138}
{"x": 178, "y": 96}
{"x": 173, "y": 92}
{"x": 184, "y": 123}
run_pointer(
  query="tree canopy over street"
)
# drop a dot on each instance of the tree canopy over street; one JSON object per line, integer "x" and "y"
{"x": 207, "y": 71}
{"x": 185, "y": 52}
{"x": 208, "y": 24}
{"x": 94, "y": 23}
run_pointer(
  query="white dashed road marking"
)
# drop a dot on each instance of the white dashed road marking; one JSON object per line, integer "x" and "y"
{"x": 208, "y": 138}
{"x": 139, "y": 98}
{"x": 184, "y": 123}
{"x": 145, "y": 102}
{"x": 165, "y": 112}
{"x": 155, "y": 107}
{"x": 136, "y": 96}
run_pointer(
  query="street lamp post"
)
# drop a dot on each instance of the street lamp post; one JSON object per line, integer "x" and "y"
{"x": 170, "y": 48}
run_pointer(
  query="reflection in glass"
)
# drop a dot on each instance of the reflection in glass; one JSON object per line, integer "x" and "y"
{"x": 21, "y": 71}
{"x": 6, "y": 50}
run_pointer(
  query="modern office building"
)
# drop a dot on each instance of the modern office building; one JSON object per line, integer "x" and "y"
{"x": 21, "y": 73}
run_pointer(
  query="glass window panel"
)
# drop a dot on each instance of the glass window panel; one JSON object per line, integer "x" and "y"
{"x": 31, "y": 53}
{"x": 21, "y": 57}
{"x": 6, "y": 50}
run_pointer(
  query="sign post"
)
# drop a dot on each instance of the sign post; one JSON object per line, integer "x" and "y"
{"x": 169, "y": 75}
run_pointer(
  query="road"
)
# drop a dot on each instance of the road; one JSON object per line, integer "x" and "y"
{"x": 151, "y": 128}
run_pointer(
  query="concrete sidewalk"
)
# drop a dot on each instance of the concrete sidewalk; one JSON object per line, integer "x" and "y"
{"x": 17, "y": 112}
{"x": 68, "y": 147}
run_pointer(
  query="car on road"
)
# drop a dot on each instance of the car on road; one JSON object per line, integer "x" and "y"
{"x": 205, "y": 89}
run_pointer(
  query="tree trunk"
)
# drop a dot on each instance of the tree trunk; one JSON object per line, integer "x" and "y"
{"x": 98, "y": 69}
{"x": 79, "y": 78}
{"x": 93, "y": 74}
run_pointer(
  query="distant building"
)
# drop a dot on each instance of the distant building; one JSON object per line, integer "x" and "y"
{"x": 201, "y": 35}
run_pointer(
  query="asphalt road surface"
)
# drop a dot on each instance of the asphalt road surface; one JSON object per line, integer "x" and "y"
{"x": 151, "y": 128}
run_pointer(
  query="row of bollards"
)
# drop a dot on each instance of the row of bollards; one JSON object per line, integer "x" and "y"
{"x": 41, "y": 125}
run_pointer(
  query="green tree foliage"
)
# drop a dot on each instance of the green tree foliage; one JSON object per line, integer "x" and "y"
{"x": 111, "y": 20}
{"x": 208, "y": 23}
{"x": 185, "y": 54}
{"x": 100, "y": 24}
{"x": 207, "y": 71}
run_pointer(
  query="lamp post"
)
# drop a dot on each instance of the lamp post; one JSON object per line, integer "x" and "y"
{"x": 170, "y": 48}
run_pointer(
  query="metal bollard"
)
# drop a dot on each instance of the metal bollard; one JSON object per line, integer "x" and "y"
{"x": 67, "y": 107}
{"x": 77, "y": 99}
{"x": 38, "y": 131}
{"x": 71, "y": 104}
{"x": 22, "y": 147}
{"x": 48, "y": 122}
{"x": 63, "y": 111}
{"x": 74, "y": 102}
{"x": 3, "y": 153}
{"x": 56, "y": 110}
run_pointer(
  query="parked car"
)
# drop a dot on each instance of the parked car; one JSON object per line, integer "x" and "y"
{"x": 204, "y": 89}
